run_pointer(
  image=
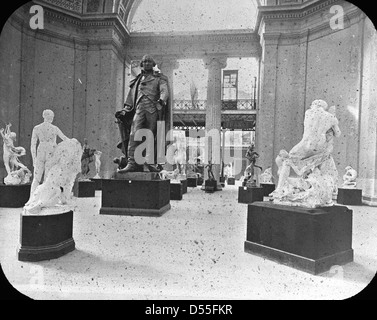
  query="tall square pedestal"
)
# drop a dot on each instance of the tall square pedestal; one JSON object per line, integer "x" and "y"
{"x": 210, "y": 186}
{"x": 14, "y": 196}
{"x": 45, "y": 237}
{"x": 87, "y": 189}
{"x": 350, "y": 197}
{"x": 184, "y": 186}
{"x": 192, "y": 182}
{"x": 176, "y": 191}
{"x": 250, "y": 195}
{"x": 311, "y": 240}
{"x": 268, "y": 188}
{"x": 139, "y": 194}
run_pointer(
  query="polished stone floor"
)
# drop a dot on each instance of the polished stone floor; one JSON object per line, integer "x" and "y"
{"x": 194, "y": 251}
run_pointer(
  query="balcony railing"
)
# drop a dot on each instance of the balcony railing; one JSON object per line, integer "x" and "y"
{"x": 241, "y": 104}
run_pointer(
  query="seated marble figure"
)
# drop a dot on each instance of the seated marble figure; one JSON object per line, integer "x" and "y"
{"x": 349, "y": 178}
{"x": 266, "y": 177}
{"x": 17, "y": 173}
{"x": 56, "y": 190}
{"x": 315, "y": 175}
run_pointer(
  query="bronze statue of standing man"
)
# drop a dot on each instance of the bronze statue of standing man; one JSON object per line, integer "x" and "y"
{"x": 147, "y": 102}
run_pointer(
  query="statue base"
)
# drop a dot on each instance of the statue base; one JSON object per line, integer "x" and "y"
{"x": 250, "y": 195}
{"x": 141, "y": 197}
{"x": 268, "y": 188}
{"x": 45, "y": 237}
{"x": 210, "y": 186}
{"x": 176, "y": 190}
{"x": 222, "y": 181}
{"x": 231, "y": 181}
{"x": 200, "y": 181}
{"x": 14, "y": 196}
{"x": 311, "y": 240}
{"x": 192, "y": 182}
{"x": 87, "y": 189}
{"x": 98, "y": 183}
{"x": 184, "y": 186}
{"x": 350, "y": 197}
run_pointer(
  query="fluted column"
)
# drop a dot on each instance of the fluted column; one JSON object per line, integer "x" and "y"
{"x": 214, "y": 65}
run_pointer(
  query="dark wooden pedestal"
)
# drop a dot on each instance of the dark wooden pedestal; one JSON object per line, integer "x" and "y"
{"x": 135, "y": 197}
{"x": 192, "y": 182}
{"x": 200, "y": 181}
{"x": 222, "y": 181}
{"x": 87, "y": 189}
{"x": 176, "y": 191}
{"x": 311, "y": 240}
{"x": 98, "y": 183}
{"x": 250, "y": 195}
{"x": 45, "y": 237}
{"x": 268, "y": 188}
{"x": 184, "y": 186}
{"x": 14, "y": 196}
{"x": 210, "y": 186}
{"x": 231, "y": 181}
{"x": 350, "y": 197}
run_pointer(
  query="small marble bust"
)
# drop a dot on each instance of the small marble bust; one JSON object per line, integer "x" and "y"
{"x": 349, "y": 178}
{"x": 266, "y": 177}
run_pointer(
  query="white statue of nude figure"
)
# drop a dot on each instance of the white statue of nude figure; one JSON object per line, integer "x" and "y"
{"x": 311, "y": 160}
{"x": 97, "y": 155}
{"x": 56, "y": 190}
{"x": 46, "y": 133}
{"x": 17, "y": 173}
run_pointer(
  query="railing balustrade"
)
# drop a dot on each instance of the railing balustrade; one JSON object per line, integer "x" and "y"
{"x": 240, "y": 104}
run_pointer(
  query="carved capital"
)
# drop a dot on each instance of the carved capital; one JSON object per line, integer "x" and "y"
{"x": 215, "y": 62}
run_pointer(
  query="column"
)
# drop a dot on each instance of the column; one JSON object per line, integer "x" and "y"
{"x": 214, "y": 65}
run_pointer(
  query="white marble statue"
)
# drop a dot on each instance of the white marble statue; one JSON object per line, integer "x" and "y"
{"x": 17, "y": 173}
{"x": 55, "y": 192}
{"x": 266, "y": 177}
{"x": 97, "y": 156}
{"x": 46, "y": 134}
{"x": 172, "y": 175}
{"x": 311, "y": 161}
{"x": 349, "y": 178}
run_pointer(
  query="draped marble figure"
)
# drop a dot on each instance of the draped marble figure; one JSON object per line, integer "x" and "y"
{"x": 311, "y": 160}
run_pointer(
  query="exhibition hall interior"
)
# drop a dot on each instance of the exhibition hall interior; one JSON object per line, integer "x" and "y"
{"x": 188, "y": 150}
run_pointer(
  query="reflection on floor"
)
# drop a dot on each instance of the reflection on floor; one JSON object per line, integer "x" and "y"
{"x": 194, "y": 251}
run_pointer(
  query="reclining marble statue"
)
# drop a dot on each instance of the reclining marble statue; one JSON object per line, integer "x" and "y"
{"x": 316, "y": 175}
{"x": 17, "y": 173}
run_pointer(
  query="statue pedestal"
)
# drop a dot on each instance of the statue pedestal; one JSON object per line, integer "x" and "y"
{"x": 98, "y": 183}
{"x": 200, "y": 181}
{"x": 268, "y": 188}
{"x": 135, "y": 194}
{"x": 192, "y": 182}
{"x": 184, "y": 186}
{"x": 222, "y": 181}
{"x": 250, "y": 195}
{"x": 87, "y": 189}
{"x": 312, "y": 240}
{"x": 14, "y": 196}
{"x": 350, "y": 197}
{"x": 231, "y": 181}
{"x": 176, "y": 190}
{"x": 45, "y": 237}
{"x": 210, "y": 186}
